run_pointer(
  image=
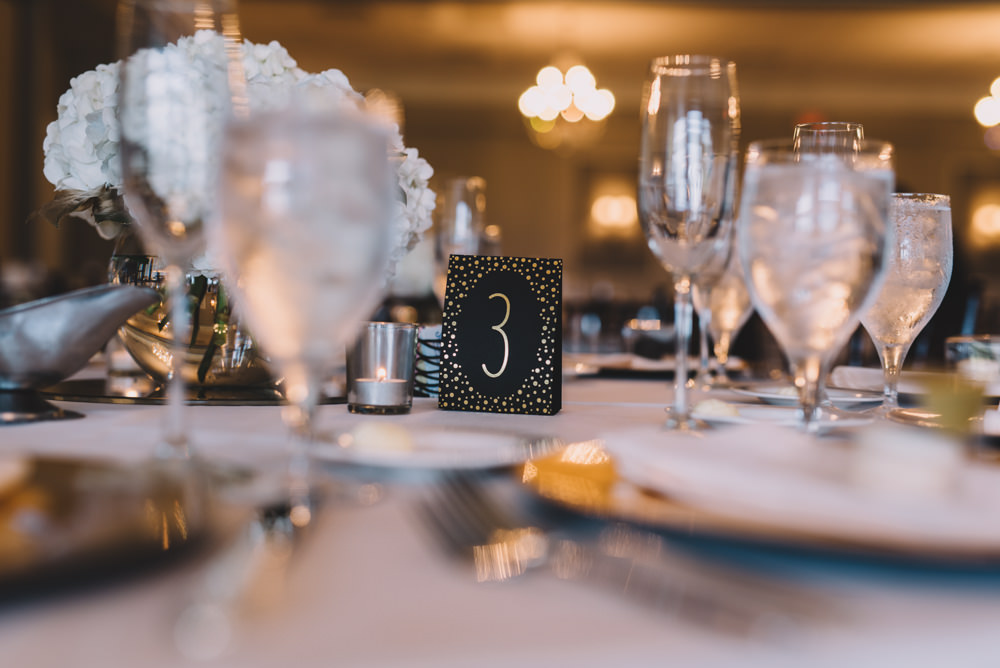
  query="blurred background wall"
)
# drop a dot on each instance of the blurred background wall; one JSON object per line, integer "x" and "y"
{"x": 911, "y": 72}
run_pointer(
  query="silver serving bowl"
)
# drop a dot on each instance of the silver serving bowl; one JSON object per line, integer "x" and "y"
{"x": 44, "y": 341}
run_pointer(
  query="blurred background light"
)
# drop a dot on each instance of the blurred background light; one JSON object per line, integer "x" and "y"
{"x": 560, "y": 103}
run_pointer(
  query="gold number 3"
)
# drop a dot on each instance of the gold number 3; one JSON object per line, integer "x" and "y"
{"x": 506, "y": 343}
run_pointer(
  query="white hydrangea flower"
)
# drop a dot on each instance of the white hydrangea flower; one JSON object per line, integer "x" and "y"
{"x": 82, "y": 145}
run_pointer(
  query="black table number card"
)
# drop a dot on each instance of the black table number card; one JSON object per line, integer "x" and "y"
{"x": 501, "y": 335}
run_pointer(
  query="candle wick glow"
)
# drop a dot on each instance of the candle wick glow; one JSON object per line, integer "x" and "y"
{"x": 380, "y": 374}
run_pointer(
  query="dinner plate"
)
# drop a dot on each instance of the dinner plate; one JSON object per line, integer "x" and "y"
{"x": 427, "y": 447}
{"x": 71, "y": 523}
{"x": 797, "y": 498}
{"x": 786, "y": 416}
{"x": 627, "y": 365}
{"x": 779, "y": 395}
{"x": 912, "y": 384}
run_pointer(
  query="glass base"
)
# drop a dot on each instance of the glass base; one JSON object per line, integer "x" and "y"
{"x": 366, "y": 409}
{"x": 686, "y": 424}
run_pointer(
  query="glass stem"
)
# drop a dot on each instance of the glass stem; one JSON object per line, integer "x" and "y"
{"x": 808, "y": 379}
{"x": 683, "y": 312}
{"x": 704, "y": 373}
{"x": 175, "y": 444}
{"x": 721, "y": 350}
{"x": 892, "y": 363}
{"x": 299, "y": 417}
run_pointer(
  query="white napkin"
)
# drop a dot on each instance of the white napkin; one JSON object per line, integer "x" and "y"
{"x": 791, "y": 480}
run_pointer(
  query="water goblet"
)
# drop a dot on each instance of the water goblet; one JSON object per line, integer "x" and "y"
{"x": 687, "y": 174}
{"x": 304, "y": 231}
{"x": 730, "y": 308}
{"x": 812, "y": 241}
{"x": 918, "y": 269}
{"x": 178, "y": 77}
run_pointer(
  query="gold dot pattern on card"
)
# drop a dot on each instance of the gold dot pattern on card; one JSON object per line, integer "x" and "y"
{"x": 537, "y": 393}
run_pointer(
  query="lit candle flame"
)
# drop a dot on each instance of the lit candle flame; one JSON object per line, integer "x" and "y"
{"x": 380, "y": 374}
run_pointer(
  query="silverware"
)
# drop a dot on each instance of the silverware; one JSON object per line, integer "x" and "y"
{"x": 469, "y": 523}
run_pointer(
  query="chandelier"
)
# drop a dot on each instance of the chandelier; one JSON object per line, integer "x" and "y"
{"x": 565, "y": 110}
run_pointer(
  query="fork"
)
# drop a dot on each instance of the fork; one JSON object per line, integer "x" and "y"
{"x": 468, "y": 521}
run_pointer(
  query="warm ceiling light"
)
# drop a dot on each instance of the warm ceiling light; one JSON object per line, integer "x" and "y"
{"x": 557, "y": 93}
{"x": 556, "y": 98}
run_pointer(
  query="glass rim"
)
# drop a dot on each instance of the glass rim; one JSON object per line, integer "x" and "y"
{"x": 787, "y": 146}
{"x": 923, "y": 198}
{"x": 829, "y": 125}
{"x": 697, "y": 62}
{"x": 379, "y": 324}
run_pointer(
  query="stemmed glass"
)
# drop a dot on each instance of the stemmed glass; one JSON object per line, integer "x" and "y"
{"x": 175, "y": 95}
{"x": 687, "y": 174}
{"x": 730, "y": 307}
{"x": 461, "y": 220}
{"x": 918, "y": 269}
{"x": 304, "y": 232}
{"x": 812, "y": 240}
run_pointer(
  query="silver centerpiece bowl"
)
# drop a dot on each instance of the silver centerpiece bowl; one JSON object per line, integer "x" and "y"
{"x": 44, "y": 341}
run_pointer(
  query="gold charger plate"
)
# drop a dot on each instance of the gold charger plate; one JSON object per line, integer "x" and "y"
{"x": 72, "y": 523}
{"x": 583, "y": 479}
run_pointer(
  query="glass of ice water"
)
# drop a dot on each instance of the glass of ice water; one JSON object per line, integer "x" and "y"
{"x": 918, "y": 270}
{"x": 812, "y": 240}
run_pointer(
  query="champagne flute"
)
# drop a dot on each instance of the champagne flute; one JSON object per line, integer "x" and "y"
{"x": 918, "y": 269}
{"x": 304, "y": 232}
{"x": 180, "y": 60}
{"x": 812, "y": 240}
{"x": 687, "y": 173}
{"x": 730, "y": 307}
{"x": 460, "y": 225}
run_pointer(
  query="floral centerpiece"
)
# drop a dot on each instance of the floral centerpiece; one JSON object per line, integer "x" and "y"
{"x": 81, "y": 146}
{"x": 82, "y": 159}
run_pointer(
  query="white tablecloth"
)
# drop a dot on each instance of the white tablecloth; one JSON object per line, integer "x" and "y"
{"x": 370, "y": 589}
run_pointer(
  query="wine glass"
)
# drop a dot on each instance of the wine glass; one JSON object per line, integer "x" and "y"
{"x": 812, "y": 240}
{"x": 829, "y": 136}
{"x": 303, "y": 232}
{"x": 460, "y": 225}
{"x": 687, "y": 174}
{"x": 730, "y": 307}
{"x": 918, "y": 269}
{"x": 175, "y": 94}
